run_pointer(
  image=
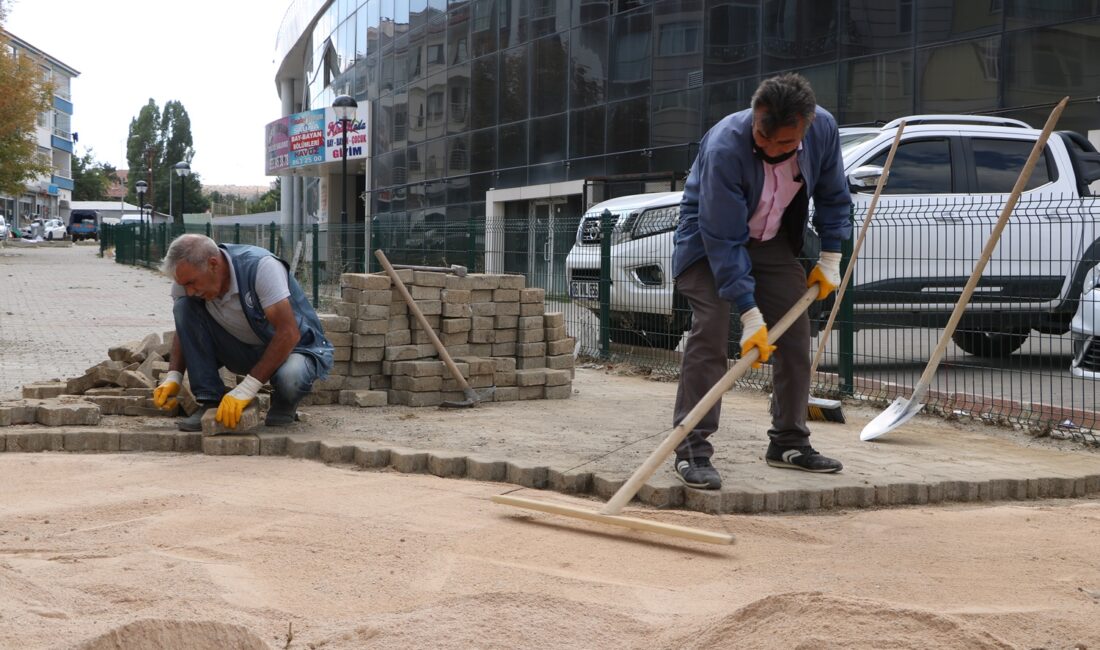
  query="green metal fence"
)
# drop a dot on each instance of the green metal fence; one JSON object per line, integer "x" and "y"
{"x": 1014, "y": 358}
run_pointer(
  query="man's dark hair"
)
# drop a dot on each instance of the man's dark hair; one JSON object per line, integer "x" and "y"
{"x": 785, "y": 100}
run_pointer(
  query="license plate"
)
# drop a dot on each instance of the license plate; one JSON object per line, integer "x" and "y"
{"x": 584, "y": 290}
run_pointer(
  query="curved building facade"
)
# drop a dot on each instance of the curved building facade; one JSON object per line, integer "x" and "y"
{"x": 509, "y": 115}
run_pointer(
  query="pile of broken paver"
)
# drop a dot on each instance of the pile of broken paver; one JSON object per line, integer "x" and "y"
{"x": 495, "y": 328}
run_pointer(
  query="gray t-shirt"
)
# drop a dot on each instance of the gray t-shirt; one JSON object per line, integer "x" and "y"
{"x": 271, "y": 287}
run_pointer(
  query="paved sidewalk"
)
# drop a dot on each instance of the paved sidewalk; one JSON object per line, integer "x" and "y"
{"x": 62, "y": 307}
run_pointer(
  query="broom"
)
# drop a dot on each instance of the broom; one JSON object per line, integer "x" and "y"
{"x": 831, "y": 410}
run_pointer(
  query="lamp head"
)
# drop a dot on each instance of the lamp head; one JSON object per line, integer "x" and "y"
{"x": 345, "y": 107}
{"x": 182, "y": 168}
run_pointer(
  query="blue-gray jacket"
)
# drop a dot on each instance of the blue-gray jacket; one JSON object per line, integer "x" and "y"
{"x": 723, "y": 190}
{"x": 246, "y": 259}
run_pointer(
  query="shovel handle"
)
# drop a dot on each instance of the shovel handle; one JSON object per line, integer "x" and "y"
{"x": 623, "y": 496}
{"x": 415, "y": 309}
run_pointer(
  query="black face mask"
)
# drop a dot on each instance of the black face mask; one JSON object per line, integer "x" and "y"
{"x": 772, "y": 160}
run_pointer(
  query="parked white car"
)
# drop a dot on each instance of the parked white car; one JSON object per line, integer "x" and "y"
{"x": 949, "y": 181}
{"x": 53, "y": 230}
{"x": 1085, "y": 330}
{"x": 4, "y": 232}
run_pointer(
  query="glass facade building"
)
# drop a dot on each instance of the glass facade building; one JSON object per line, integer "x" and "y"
{"x": 473, "y": 98}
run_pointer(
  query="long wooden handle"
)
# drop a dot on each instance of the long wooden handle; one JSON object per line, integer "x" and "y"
{"x": 415, "y": 309}
{"x": 739, "y": 369}
{"x": 987, "y": 252}
{"x": 855, "y": 252}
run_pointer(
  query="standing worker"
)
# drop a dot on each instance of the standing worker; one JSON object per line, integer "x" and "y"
{"x": 238, "y": 307}
{"x": 742, "y": 220}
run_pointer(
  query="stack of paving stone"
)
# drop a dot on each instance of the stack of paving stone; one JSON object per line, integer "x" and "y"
{"x": 121, "y": 385}
{"x": 496, "y": 329}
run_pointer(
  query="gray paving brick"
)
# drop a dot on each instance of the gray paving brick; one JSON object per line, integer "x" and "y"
{"x": 231, "y": 445}
{"x": 447, "y": 465}
{"x": 483, "y": 469}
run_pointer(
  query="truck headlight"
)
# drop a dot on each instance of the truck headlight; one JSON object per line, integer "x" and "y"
{"x": 656, "y": 220}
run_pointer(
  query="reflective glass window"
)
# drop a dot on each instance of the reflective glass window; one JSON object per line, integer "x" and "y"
{"x": 400, "y": 119}
{"x": 823, "y": 79}
{"x": 511, "y": 23}
{"x": 418, "y": 112}
{"x": 400, "y": 17}
{"x": 876, "y": 88}
{"x": 1042, "y": 65}
{"x": 997, "y": 164}
{"x": 458, "y": 191}
{"x": 483, "y": 92}
{"x": 732, "y": 42}
{"x": 588, "y": 63}
{"x": 872, "y": 26}
{"x": 385, "y": 33}
{"x": 361, "y": 34}
{"x": 586, "y": 132}
{"x": 547, "y": 139}
{"x": 919, "y": 167}
{"x": 458, "y": 156}
{"x": 458, "y": 37}
{"x": 959, "y": 78}
{"x": 725, "y": 98}
{"x": 435, "y": 159}
{"x": 382, "y": 135}
{"x": 458, "y": 99}
{"x": 435, "y": 52}
{"x": 512, "y": 145}
{"x": 675, "y": 118}
{"x": 550, "y": 74}
{"x": 943, "y": 21}
{"x": 548, "y": 17}
{"x": 585, "y": 11}
{"x": 513, "y": 84}
{"x": 631, "y": 55}
{"x": 415, "y": 63}
{"x": 1029, "y": 13}
{"x": 483, "y": 27}
{"x": 435, "y": 106}
{"x": 628, "y": 125}
{"x": 400, "y": 62}
{"x": 385, "y": 82}
{"x": 418, "y": 14}
{"x": 797, "y": 33}
{"x": 678, "y": 49}
{"x": 483, "y": 150}
{"x": 370, "y": 24}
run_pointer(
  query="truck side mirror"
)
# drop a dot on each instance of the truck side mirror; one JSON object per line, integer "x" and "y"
{"x": 864, "y": 178}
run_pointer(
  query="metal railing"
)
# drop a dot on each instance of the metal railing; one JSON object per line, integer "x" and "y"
{"x": 1014, "y": 357}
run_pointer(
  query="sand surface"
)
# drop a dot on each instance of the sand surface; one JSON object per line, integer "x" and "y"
{"x": 173, "y": 551}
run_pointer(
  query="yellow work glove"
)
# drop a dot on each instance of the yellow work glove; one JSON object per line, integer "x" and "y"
{"x": 826, "y": 275}
{"x": 754, "y": 334}
{"x": 164, "y": 397}
{"x": 235, "y": 401}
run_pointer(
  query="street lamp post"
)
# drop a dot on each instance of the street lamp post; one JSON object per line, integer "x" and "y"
{"x": 140, "y": 188}
{"x": 183, "y": 170}
{"x": 345, "y": 107}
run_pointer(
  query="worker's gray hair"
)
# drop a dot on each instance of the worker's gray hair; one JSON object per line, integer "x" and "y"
{"x": 196, "y": 250}
{"x": 786, "y": 100}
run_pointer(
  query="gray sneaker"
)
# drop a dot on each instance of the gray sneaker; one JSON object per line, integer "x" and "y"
{"x": 698, "y": 473}
{"x": 193, "y": 422}
{"x": 804, "y": 458}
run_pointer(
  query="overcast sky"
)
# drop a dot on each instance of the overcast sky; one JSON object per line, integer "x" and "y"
{"x": 215, "y": 56}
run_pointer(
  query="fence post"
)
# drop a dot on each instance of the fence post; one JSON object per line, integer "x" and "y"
{"x": 271, "y": 238}
{"x": 606, "y": 228}
{"x": 846, "y": 326}
{"x": 316, "y": 270}
{"x": 209, "y": 230}
{"x": 471, "y": 239}
{"x": 236, "y": 233}
{"x": 372, "y": 246}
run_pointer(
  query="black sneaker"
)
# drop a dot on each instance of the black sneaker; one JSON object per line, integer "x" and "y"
{"x": 698, "y": 473}
{"x": 193, "y": 422}
{"x": 805, "y": 458}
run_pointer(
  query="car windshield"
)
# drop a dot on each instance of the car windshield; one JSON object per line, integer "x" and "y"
{"x": 850, "y": 141}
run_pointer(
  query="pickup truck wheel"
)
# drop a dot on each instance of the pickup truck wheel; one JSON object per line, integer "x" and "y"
{"x": 993, "y": 345}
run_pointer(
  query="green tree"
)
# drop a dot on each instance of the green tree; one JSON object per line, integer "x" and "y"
{"x": 91, "y": 178}
{"x": 269, "y": 200}
{"x": 23, "y": 96}
{"x": 158, "y": 140}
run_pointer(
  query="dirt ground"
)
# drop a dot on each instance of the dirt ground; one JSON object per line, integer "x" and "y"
{"x": 191, "y": 552}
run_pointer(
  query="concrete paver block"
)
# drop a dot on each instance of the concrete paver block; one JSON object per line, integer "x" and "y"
{"x": 188, "y": 441}
{"x": 447, "y": 465}
{"x": 250, "y": 419}
{"x": 84, "y": 441}
{"x": 36, "y": 441}
{"x": 483, "y": 469}
{"x": 364, "y": 398}
{"x": 336, "y": 453}
{"x": 231, "y": 445}
{"x": 60, "y": 414}
{"x": 570, "y": 482}
{"x": 134, "y": 379}
{"x": 370, "y": 457}
{"x": 303, "y": 447}
{"x": 145, "y": 441}
{"x": 44, "y": 390}
{"x": 272, "y": 444}
{"x": 409, "y": 461}
{"x": 532, "y": 477}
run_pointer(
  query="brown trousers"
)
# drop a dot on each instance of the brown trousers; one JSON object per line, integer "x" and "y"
{"x": 780, "y": 282}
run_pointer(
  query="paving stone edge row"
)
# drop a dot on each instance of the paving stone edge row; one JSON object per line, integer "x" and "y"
{"x": 450, "y": 464}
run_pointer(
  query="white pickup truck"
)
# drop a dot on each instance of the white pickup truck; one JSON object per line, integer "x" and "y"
{"x": 949, "y": 181}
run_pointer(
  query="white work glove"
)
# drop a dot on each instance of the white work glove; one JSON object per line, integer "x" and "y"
{"x": 754, "y": 334}
{"x": 164, "y": 397}
{"x": 826, "y": 275}
{"x": 235, "y": 401}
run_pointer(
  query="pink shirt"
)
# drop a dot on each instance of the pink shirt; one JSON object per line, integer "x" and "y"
{"x": 780, "y": 187}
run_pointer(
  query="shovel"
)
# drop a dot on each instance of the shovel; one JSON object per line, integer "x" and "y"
{"x": 903, "y": 410}
{"x": 472, "y": 396}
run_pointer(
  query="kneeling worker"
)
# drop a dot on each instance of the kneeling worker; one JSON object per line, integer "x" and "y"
{"x": 237, "y": 306}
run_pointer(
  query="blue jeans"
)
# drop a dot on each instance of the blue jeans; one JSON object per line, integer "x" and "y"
{"x": 207, "y": 347}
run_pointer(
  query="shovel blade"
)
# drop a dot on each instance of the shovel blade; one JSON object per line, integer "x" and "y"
{"x": 897, "y": 414}
{"x": 473, "y": 398}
